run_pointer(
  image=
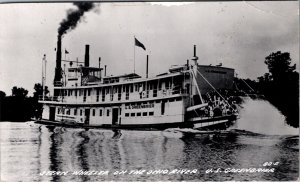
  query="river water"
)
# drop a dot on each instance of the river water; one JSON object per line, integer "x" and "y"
{"x": 259, "y": 142}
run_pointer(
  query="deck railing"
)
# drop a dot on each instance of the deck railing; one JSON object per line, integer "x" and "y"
{"x": 50, "y": 98}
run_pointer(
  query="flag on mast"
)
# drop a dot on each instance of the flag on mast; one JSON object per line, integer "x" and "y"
{"x": 139, "y": 44}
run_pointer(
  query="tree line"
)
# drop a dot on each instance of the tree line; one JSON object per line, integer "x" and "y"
{"x": 18, "y": 106}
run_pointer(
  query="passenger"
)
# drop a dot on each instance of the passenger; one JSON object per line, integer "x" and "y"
{"x": 210, "y": 109}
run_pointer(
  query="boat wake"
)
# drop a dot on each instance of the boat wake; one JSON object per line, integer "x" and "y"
{"x": 257, "y": 118}
{"x": 261, "y": 117}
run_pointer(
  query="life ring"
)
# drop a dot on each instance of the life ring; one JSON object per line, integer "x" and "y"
{"x": 206, "y": 111}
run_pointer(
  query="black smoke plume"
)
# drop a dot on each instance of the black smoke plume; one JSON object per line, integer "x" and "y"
{"x": 74, "y": 16}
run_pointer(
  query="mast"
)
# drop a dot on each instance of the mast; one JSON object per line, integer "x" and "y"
{"x": 147, "y": 66}
{"x": 43, "y": 76}
{"x": 44, "y": 63}
{"x": 134, "y": 55}
{"x": 65, "y": 79}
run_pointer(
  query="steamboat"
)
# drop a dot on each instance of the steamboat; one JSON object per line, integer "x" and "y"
{"x": 186, "y": 96}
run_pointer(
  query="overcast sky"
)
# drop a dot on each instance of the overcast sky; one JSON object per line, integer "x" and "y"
{"x": 238, "y": 34}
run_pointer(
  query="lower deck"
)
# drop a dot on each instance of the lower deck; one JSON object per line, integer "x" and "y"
{"x": 142, "y": 113}
{"x": 216, "y": 123}
{"x": 158, "y": 114}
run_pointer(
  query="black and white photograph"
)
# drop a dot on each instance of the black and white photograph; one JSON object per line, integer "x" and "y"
{"x": 149, "y": 91}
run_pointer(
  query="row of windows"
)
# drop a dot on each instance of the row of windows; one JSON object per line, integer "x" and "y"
{"x": 68, "y": 112}
{"x": 139, "y": 114}
{"x": 157, "y": 101}
{"x": 100, "y": 112}
{"x": 70, "y": 92}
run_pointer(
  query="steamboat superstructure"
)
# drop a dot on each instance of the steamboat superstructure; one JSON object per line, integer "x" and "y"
{"x": 84, "y": 96}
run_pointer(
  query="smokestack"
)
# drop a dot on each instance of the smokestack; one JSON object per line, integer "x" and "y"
{"x": 99, "y": 62}
{"x": 195, "y": 58}
{"x": 87, "y": 56}
{"x": 104, "y": 70}
{"x": 147, "y": 66}
{"x": 58, "y": 76}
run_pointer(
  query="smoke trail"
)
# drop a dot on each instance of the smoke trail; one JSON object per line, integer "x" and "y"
{"x": 74, "y": 17}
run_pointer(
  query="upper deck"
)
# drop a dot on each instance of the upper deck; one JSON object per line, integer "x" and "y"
{"x": 121, "y": 89}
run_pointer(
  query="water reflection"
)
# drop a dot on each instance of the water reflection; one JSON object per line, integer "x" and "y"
{"x": 56, "y": 141}
{"x": 117, "y": 134}
{"x": 69, "y": 149}
{"x": 39, "y": 152}
{"x": 82, "y": 154}
{"x": 210, "y": 152}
